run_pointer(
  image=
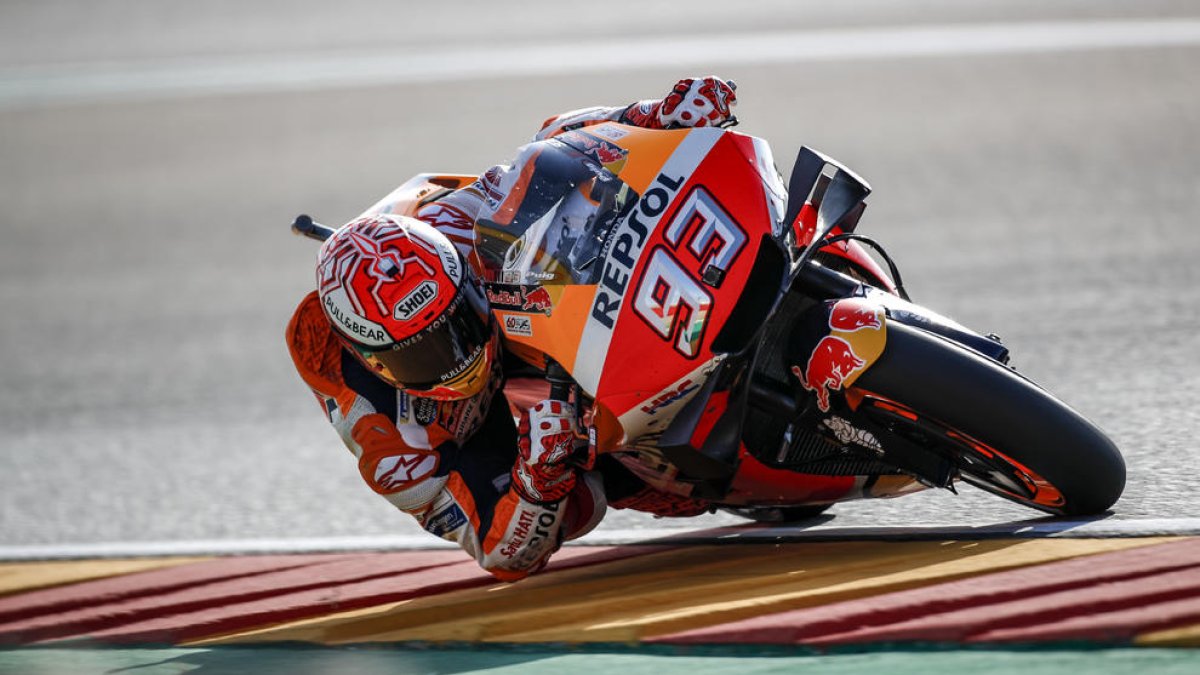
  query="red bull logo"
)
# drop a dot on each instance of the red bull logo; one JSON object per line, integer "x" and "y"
{"x": 852, "y": 315}
{"x": 857, "y": 337}
{"x": 519, "y": 298}
{"x": 831, "y": 363}
{"x": 605, "y": 153}
{"x": 608, "y": 154}
{"x": 537, "y": 300}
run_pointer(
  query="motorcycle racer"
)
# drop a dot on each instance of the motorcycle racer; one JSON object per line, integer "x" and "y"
{"x": 403, "y": 354}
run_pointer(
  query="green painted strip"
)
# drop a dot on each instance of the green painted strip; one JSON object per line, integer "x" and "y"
{"x": 627, "y": 661}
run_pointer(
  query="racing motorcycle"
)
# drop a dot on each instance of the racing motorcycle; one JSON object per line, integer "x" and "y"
{"x": 731, "y": 340}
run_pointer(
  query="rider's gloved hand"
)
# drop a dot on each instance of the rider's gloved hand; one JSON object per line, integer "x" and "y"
{"x": 543, "y": 472}
{"x": 694, "y": 102}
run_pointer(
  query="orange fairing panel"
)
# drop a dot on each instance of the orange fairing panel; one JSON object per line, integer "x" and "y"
{"x": 555, "y": 332}
{"x": 418, "y": 191}
{"x": 653, "y": 318}
{"x": 648, "y": 150}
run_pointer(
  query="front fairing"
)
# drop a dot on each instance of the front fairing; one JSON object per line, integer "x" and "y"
{"x": 624, "y": 257}
{"x": 550, "y": 226}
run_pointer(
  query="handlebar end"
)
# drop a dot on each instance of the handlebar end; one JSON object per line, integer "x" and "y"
{"x": 305, "y": 226}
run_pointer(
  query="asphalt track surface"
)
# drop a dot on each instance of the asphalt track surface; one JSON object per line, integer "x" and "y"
{"x": 1048, "y": 195}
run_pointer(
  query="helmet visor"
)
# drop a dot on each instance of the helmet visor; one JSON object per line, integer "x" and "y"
{"x": 450, "y": 354}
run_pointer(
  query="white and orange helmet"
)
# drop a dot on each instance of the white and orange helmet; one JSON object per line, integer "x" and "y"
{"x": 403, "y": 301}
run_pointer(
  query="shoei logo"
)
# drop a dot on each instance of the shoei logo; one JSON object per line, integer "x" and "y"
{"x": 416, "y": 300}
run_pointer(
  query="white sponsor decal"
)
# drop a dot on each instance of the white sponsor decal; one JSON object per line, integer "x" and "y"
{"x": 518, "y": 325}
{"x": 531, "y": 533}
{"x": 450, "y": 260}
{"x": 849, "y": 434}
{"x": 611, "y": 132}
{"x": 402, "y": 406}
{"x": 643, "y": 422}
{"x": 416, "y": 300}
{"x": 363, "y": 330}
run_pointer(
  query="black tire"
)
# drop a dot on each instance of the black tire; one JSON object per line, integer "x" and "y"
{"x": 989, "y": 403}
{"x": 779, "y": 514}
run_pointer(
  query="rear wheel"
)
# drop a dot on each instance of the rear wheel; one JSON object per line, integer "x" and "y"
{"x": 1004, "y": 434}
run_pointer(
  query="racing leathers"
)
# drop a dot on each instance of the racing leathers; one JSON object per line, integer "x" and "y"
{"x": 462, "y": 468}
{"x": 447, "y": 463}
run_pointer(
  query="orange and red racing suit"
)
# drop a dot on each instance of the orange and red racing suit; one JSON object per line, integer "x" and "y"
{"x": 448, "y": 463}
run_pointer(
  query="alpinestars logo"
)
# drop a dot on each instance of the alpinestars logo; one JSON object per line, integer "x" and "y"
{"x": 398, "y": 471}
{"x": 721, "y": 100}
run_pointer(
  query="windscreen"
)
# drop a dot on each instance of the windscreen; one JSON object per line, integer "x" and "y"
{"x": 551, "y": 226}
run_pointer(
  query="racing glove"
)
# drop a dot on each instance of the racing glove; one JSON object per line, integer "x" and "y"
{"x": 543, "y": 472}
{"x": 694, "y": 102}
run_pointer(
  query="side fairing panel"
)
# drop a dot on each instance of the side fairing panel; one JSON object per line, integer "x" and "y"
{"x": 673, "y": 272}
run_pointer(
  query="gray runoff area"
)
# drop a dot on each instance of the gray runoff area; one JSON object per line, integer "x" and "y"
{"x": 146, "y": 272}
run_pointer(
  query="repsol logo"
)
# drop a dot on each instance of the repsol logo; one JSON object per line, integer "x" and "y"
{"x": 416, "y": 300}
{"x": 626, "y": 246}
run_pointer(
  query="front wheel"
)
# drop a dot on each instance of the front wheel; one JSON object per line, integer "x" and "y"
{"x": 1002, "y": 433}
